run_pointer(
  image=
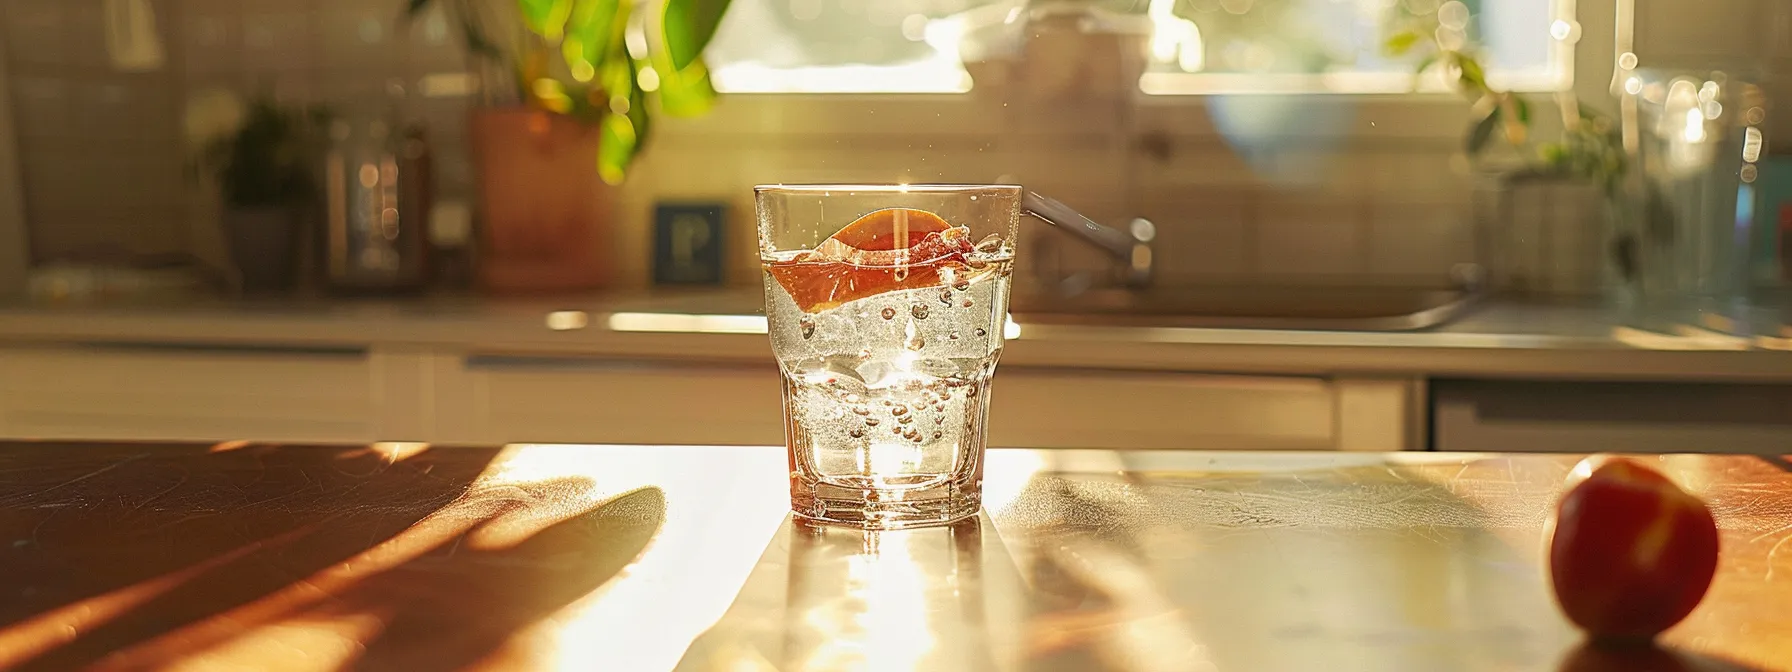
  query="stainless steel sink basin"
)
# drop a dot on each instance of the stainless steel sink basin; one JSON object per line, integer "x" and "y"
{"x": 1310, "y": 308}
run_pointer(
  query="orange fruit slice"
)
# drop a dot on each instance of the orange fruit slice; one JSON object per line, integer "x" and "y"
{"x": 819, "y": 281}
{"x": 890, "y": 229}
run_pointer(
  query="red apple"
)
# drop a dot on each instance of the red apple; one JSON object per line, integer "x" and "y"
{"x": 1631, "y": 553}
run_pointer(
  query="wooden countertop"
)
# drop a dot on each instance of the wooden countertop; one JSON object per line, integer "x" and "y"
{"x": 407, "y": 557}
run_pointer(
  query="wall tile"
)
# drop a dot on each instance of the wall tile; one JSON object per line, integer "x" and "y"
{"x": 1419, "y": 243}
{"x": 1201, "y": 237}
{"x": 1309, "y": 236}
{"x": 34, "y": 33}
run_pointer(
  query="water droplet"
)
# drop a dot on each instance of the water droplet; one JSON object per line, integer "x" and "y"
{"x": 961, "y": 285}
{"x": 889, "y": 313}
{"x": 861, "y": 410}
{"x": 946, "y": 297}
{"x": 899, "y": 410}
{"x": 857, "y": 433}
{"x": 912, "y": 435}
{"x": 952, "y": 336}
{"x": 990, "y": 243}
{"x": 887, "y": 402}
{"x": 937, "y": 434}
{"x": 970, "y": 391}
{"x": 808, "y": 325}
{"x": 967, "y": 303}
{"x": 980, "y": 331}
{"x": 918, "y": 310}
{"x": 906, "y": 419}
{"x": 873, "y": 422}
{"x": 916, "y": 343}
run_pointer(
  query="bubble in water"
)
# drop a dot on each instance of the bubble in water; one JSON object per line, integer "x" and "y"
{"x": 906, "y": 419}
{"x": 952, "y": 336}
{"x": 912, "y": 435}
{"x": 901, "y": 272}
{"x": 940, "y": 420}
{"x": 853, "y": 398}
{"x": 990, "y": 243}
{"x": 961, "y": 285}
{"x": 918, "y": 310}
{"x": 865, "y": 353}
{"x": 887, "y": 402}
{"x": 861, "y": 410}
{"x": 857, "y": 433}
{"x": 873, "y": 421}
{"x": 977, "y": 264}
{"x": 889, "y": 313}
{"x": 970, "y": 391}
{"x": 808, "y": 324}
{"x": 946, "y": 297}
{"x": 967, "y": 303}
{"x": 937, "y": 434}
{"x": 899, "y": 410}
{"x": 980, "y": 331}
{"x": 916, "y": 343}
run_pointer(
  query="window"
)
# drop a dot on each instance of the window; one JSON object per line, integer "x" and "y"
{"x": 1192, "y": 46}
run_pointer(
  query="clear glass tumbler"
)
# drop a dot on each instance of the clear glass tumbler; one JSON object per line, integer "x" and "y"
{"x": 886, "y": 305}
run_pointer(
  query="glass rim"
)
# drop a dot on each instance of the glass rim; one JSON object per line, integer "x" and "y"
{"x": 885, "y": 188}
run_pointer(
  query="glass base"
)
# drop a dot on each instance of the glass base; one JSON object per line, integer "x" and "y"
{"x": 941, "y": 503}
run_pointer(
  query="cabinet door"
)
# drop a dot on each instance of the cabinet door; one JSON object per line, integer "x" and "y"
{"x": 186, "y": 393}
{"x": 1584, "y": 417}
{"x": 579, "y": 400}
{"x": 1048, "y": 408}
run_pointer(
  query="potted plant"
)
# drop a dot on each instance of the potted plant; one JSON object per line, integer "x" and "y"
{"x": 1576, "y": 234}
{"x": 263, "y": 159}
{"x": 571, "y": 88}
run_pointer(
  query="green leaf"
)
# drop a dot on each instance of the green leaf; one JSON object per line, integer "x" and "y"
{"x": 1423, "y": 65}
{"x": 1522, "y": 108}
{"x": 686, "y": 27}
{"x": 590, "y": 30}
{"x": 687, "y": 93}
{"x": 623, "y": 132}
{"x": 1472, "y": 76}
{"x": 1400, "y": 43}
{"x": 1481, "y": 132}
{"x": 546, "y": 18}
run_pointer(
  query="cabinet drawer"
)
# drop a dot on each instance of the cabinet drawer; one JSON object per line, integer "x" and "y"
{"x": 603, "y": 401}
{"x": 1040, "y": 408}
{"x": 186, "y": 393}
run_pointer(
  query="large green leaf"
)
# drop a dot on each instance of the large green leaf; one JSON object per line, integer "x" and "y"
{"x": 686, "y": 27}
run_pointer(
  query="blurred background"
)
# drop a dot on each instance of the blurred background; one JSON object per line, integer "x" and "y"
{"x": 1364, "y": 224}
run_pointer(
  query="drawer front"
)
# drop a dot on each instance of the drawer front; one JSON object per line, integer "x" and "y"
{"x": 178, "y": 393}
{"x": 597, "y": 401}
{"x": 1062, "y": 409}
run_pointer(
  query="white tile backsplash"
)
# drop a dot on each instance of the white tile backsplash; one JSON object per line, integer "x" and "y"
{"x": 1304, "y": 236}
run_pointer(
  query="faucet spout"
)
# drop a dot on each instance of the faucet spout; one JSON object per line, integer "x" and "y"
{"x": 1130, "y": 249}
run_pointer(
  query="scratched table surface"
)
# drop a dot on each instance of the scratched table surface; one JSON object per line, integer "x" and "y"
{"x": 407, "y": 557}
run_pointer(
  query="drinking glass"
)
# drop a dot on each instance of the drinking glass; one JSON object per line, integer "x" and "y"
{"x": 886, "y": 306}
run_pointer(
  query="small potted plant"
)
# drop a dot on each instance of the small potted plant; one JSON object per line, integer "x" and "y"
{"x": 1574, "y": 231}
{"x": 571, "y": 87}
{"x": 263, "y": 159}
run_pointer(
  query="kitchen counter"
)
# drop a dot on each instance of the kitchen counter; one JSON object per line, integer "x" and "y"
{"x": 408, "y": 557}
{"x": 1499, "y": 340}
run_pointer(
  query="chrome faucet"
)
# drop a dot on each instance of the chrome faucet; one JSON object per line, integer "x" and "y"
{"x": 1130, "y": 249}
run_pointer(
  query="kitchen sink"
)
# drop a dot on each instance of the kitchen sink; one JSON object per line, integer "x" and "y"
{"x": 1309, "y": 308}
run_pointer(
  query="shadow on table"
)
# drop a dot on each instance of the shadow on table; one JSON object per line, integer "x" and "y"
{"x": 1589, "y": 657}
{"x": 118, "y": 547}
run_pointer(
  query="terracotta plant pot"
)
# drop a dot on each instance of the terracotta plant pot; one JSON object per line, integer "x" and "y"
{"x": 545, "y": 211}
{"x": 264, "y": 246}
